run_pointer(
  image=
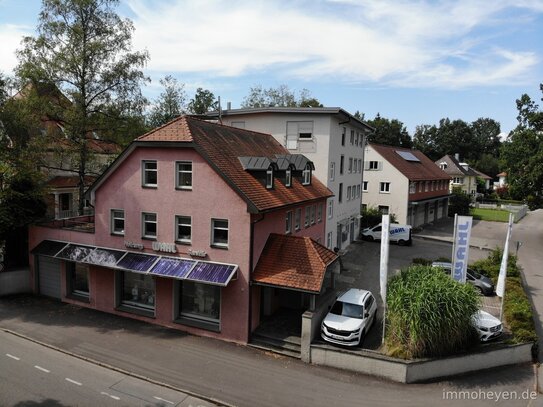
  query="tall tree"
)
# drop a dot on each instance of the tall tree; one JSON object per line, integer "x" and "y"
{"x": 84, "y": 48}
{"x": 391, "y": 132}
{"x": 170, "y": 103}
{"x": 203, "y": 101}
{"x": 486, "y": 134}
{"x": 522, "y": 153}
{"x": 280, "y": 96}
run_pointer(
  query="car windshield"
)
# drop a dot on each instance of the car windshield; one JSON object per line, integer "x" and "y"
{"x": 475, "y": 275}
{"x": 348, "y": 310}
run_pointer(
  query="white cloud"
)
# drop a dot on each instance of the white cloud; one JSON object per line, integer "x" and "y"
{"x": 423, "y": 43}
{"x": 10, "y": 38}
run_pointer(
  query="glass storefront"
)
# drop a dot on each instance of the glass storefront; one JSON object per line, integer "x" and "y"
{"x": 200, "y": 301}
{"x": 138, "y": 290}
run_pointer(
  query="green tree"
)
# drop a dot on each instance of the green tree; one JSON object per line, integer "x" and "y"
{"x": 391, "y": 132}
{"x": 281, "y": 96}
{"x": 203, "y": 102}
{"x": 170, "y": 103}
{"x": 486, "y": 134}
{"x": 522, "y": 153}
{"x": 459, "y": 202}
{"x": 84, "y": 48}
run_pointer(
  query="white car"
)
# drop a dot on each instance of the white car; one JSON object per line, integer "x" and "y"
{"x": 350, "y": 318}
{"x": 487, "y": 326}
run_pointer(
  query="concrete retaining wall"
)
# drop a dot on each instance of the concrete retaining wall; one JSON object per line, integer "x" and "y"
{"x": 15, "y": 282}
{"x": 399, "y": 370}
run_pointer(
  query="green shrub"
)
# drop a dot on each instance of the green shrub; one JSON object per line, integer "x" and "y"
{"x": 421, "y": 261}
{"x": 429, "y": 314}
{"x": 459, "y": 202}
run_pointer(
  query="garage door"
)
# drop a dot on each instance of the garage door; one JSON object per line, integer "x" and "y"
{"x": 49, "y": 276}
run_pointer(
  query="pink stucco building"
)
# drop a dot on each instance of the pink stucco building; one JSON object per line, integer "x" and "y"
{"x": 183, "y": 218}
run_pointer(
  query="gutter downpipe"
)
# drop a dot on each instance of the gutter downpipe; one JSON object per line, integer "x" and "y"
{"x": 251, "y": 255}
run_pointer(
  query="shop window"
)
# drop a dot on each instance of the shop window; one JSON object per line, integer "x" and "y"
{"x": 199, "y": 305}
{"x": 219, "y": 233}
{"x": 117, "y": 222}
{"x": 137, "y": 293}
{"x": 149, "y": 225}
{"x": 183, "y": 229}
{"x": 78, "y": 280}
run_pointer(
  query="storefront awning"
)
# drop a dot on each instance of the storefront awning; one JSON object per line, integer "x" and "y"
{"x": 206, "y": 272}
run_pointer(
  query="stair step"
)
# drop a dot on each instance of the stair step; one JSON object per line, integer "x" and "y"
{"x": 277, "y": 342}
{"x": 271, "y": 348}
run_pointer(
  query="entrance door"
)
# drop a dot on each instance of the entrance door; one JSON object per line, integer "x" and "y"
{"x": 352, "y": 231}
{"x": 49, "y": 276}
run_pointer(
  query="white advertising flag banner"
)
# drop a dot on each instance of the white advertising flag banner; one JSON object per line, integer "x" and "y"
{"x": 500, "y": 286}
{"x": 383, "y": 275}
{"x": 462, "y": 236}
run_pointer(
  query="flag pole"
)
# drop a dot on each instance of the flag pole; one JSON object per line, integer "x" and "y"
{"x": 383, "y": 272}
{"x": 500, "y": 286}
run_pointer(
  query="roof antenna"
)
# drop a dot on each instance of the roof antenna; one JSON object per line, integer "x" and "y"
{"x": 220, "y": 110}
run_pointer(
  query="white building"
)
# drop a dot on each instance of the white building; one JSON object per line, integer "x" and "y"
{"x": 333, "y": 140}
{"x": 405, "y": 183}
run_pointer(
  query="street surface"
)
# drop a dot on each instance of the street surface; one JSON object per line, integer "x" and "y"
{"x": 34, "y": 375}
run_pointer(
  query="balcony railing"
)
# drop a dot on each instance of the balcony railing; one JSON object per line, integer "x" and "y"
{"x": 72, "y": 213}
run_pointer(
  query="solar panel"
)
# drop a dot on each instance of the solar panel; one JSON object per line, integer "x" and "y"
{"x": 137, "y": 262}
{"x": 212, "y": 273}
{"x": 407, "y": 156}
{"x": 104, "y": 257}
{"x": 75, "y": 252}
{"x": 48, "y": 248}
{"x": 170, "y": 267}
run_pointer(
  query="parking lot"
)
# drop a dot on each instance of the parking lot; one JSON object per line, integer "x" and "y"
{"x": 361, "y": 270}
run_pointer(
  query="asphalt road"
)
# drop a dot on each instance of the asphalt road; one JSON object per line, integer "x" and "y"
{"x": 35, "y": 375}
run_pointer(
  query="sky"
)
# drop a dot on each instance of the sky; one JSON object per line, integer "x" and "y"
{"x": 415, "y": 61}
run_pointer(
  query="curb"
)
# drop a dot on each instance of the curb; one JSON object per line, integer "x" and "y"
{"x": 118, "y": 369}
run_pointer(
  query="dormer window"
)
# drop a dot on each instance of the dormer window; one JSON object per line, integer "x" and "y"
{"x": 269, "y": 177}
{"x": 306, "y": 175}
{"x": 288, "y": 177}
{"x": 443, "y": 165}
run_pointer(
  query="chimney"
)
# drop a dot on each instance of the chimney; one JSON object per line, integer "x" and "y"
{"x": 457, "y": 156}
{"x": 228, "y": 105}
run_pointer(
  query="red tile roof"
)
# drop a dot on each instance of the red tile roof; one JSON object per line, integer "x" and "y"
{"x": 425, "y": 169}
{"x": 295, "y": 262}
{"x": 222, "y": 146}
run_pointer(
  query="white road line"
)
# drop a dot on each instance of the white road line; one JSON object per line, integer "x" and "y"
{"x": 110, "y": 395}
{"x": 73, "y": 381}
{"x": 42, "y": 369}
{"x": 13, "y": 357}
{"x": 161, "y": 399}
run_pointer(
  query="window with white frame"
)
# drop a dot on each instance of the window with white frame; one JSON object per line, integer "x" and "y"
{"x": 364, "y": 186}
{"x": 288, "y": 177}
{"x": 348, "y": 193}
{"x": 183, "y": 229}
{"x": 219, "y": 232}
{"x": 421, "y": 183}
{"x": 360, "y": 165}
{"x": 358, "y": 191}
{"x": 298, "y": 219}
{"x": 458, "y": 180}
{"x": 306, "y": 175}
{"x": 117, "y": 222}
{"x": 307, "y": 216}
{"x": 343, "y": 133}
{"x": 329, "y": 240}
{"x": 426, "y": 186}
{"x": 353, "y": 192}
{"x": 356, "y": 139}
{"x": 412, "y": 187}
{"x": 149, "y": 225}
{"x": 332, "y": 171}
{"x": 149, "y": 173}
{"x": 288, "y": 222}
{"x": 384, "y": 187}
{"x": 319, "y": 213}
{"x": 352, "y": 137}
{"x": 298, "y": 131}
{"x": 373, "y": 165}
{"x": 432, "y": 185}
{"x": 350, "y": 165}
{"x": 443, "y": 165}
{"x": 183, "y": 171}
{"x": 330, "y": 209}
{"x": 312, "y": 217}
{"x": 269, "y": 177}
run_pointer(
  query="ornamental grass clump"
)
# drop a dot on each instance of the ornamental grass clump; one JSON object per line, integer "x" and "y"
{"x": 429, "y": 314}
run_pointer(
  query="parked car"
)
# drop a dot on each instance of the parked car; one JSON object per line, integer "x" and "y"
{"x": 400, "y": 234}
{"x": 482, "y": 283}
{"x": 488, "y": 326}
{"x": 350, "y": 318}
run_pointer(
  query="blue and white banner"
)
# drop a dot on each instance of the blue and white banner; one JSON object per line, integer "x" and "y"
{"x": 500, "y": 286}
{"x": 462, "y": 234}
{"x": 383, "y": 270}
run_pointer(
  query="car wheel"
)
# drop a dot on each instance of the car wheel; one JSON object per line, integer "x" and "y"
{"x": 480, "y": 290}
{"x": 401, "y": 242}
{"x": 362, "y": 337}
{"x": 369, "y": 238}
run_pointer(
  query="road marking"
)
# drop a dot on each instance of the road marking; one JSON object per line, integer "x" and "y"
{"x": 160, "y": 399}
{"x": 42, "y": 369}
{"x": 13, "y": 357}
{"x": 73, "y": 381}
{"x": 110, "y": 395}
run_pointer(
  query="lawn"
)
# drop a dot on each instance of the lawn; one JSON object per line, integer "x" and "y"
{"x": 493, "y": 215}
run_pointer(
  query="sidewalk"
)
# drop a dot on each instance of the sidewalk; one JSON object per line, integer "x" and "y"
{"x": 484, "y": 235}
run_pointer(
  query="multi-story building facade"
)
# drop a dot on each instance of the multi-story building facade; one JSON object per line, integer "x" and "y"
{"x": 405, "y": 183}
{"x": 183, "y": 218}
{"x": 330, "y": 137}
